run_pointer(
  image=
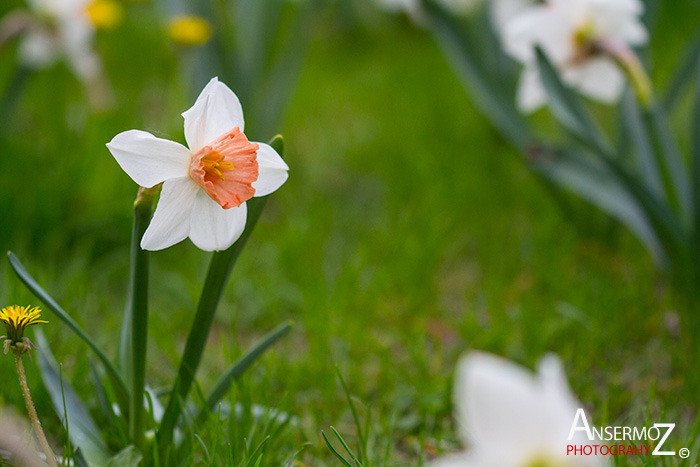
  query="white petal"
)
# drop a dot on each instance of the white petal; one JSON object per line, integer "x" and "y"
{"x": 171, "y": 221}
{"x": 216, "y": 111}
{"x": 502, "y": 11}
{"x": 272, "y": 170}
{"x": 498, "y": 404}
{"x": 598, "y": 78}
{"x": 214, "y": 228}
{"x": 531, "y": 94}
{"x": 542, "y": 25}
{"x": 149, "y": 160}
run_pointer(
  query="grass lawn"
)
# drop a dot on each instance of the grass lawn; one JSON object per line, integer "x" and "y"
{"x": 408, "y": 233}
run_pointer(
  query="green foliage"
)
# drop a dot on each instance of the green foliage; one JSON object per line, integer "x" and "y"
{"x": 407, "y": 233}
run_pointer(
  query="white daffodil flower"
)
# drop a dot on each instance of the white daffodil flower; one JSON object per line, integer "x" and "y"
{"x": 577, "y": 36}
{"x": 510, "y": 417}
{"x": 206, "y": 186}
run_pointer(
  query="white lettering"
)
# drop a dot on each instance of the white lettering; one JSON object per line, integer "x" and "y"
{"x": 574, "y": 427}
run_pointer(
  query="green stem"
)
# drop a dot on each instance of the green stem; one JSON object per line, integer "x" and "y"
{"x": 219, "y": 270}
{"x": 630, "y": 64}
{"x": 32, "y": 412}
{"x": 139, "y": 312}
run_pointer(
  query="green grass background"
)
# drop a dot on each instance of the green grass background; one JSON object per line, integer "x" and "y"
{"x": 407, "y": 234}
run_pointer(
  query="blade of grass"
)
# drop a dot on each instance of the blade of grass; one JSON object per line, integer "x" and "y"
{"x": 119, "y": 387}
{"x": 237, "y": 369}
{"x": 335, "y": 453}
{"x": 353, "y": 410}
{"x": 345, "y": 446}
{"x": 82, "y": 430}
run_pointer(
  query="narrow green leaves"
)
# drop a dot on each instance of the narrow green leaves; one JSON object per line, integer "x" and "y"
{"x": 51, "y": 304}
{"x": 238, "y": 368}
{"x": 83, "y": 431}
{"x": 595, "y": 183}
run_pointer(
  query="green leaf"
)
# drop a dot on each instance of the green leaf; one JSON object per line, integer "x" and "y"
{"x": 117, "y": 382}
{"x": 284, "y": 71}
{"x": 671, "y": 160}
{"x": 104, "y": 401}
{"x": 83, "y": 431}
{"x": 646, "y": 159}
{"x": 127, "y": 457}
{"x": 11, "y": 94}
{"x": 695, "y": 162}
{"x": 461, "y": 50}
{"x": 220, "y": 267}
{"x": 567, "y": 107}
{"x": 596, "y": 184}
{"x": 335, "y": 453}
{"x": 238, "y": 368}
{"x": 685, "y": 71}
{"x": 355, "y": 417}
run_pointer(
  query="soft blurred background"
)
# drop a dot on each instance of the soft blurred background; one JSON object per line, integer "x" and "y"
{"x": 408, "y": 232}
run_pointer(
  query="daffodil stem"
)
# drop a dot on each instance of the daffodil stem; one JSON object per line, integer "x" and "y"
{"x": 628, "y": 61}
{"x": 32, "y": 412}
{"x": 219, "y": 270}
{"x": 139, "y": 314}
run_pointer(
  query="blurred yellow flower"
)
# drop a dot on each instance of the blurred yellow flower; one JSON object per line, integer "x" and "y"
{"x": 104, "y": 14}
{"x": 17, "y": 318}
{"x": 189, "y": 31}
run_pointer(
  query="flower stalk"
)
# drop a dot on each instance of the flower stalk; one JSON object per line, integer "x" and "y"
{"x": 16, "y": 319}
{"x": 630, "y": 64}
{"x": 143, "y": 207}
{"x": 36, "y": 424}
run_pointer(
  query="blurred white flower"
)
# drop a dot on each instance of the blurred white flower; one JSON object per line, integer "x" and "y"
{"x": 575, "y": 35}
{"x": 510, "y": 417}
{"x": 206, "y": 186}
{"x": 65, "y": 28}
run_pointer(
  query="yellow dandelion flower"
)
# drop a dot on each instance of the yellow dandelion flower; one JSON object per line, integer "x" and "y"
{"x": 189, "y": 31}
{"x": 17, "y": 318}
{"x": 104, "y": 14}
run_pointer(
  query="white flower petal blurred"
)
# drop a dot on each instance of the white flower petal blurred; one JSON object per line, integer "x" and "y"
{"x": 70, "y": 36}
